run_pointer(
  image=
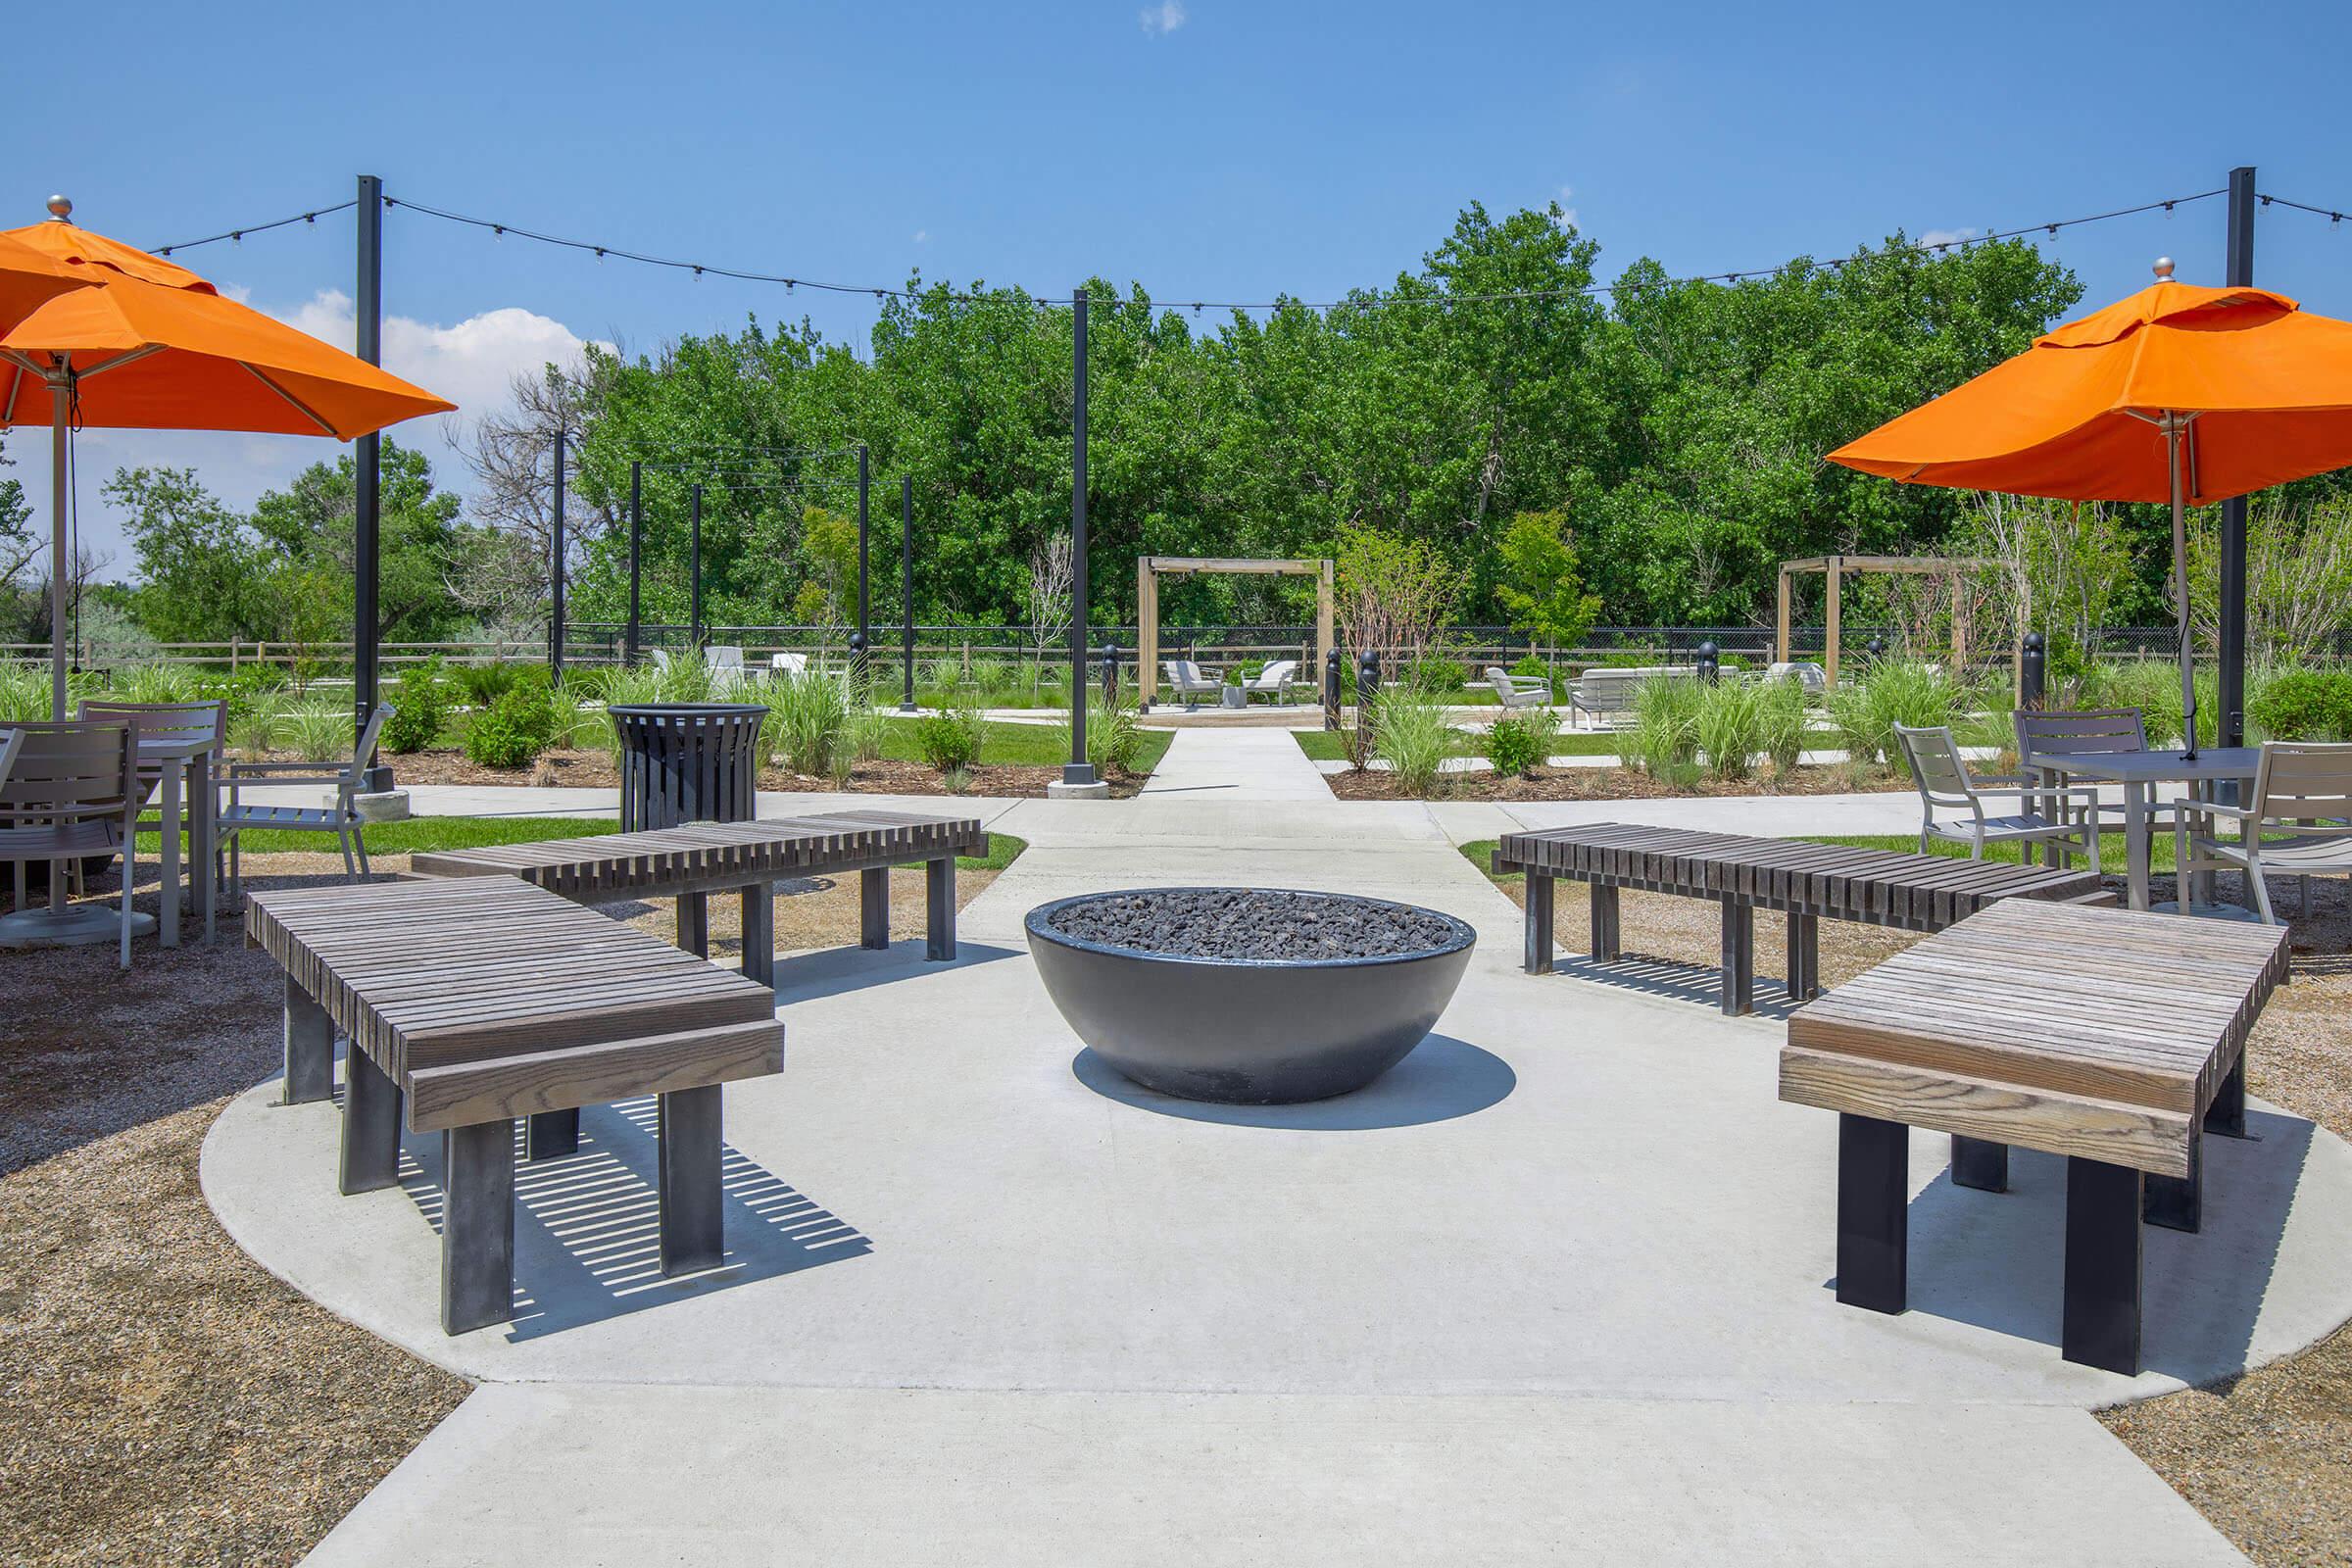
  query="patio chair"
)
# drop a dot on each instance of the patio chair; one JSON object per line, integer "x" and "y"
{"x": 1811, "y": 676}
{"x": 1944, "y": 780}
{"x": 725, "y": 664}
{"x": 1274, "y": 679}
{"x": 2303, "y": 794}
{"x": 1518, "y": 691}
{"x": 794, "y": 665}
{"x": 1187, "y": 682}
{"x": 69, "y": 792}
{"x": 2046, "y": 735}
{"x": 163, "y": 721}
{"x": 341, "y": 819}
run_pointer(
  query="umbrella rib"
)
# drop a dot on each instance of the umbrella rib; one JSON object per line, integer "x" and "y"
{"x": 301, "y": 407}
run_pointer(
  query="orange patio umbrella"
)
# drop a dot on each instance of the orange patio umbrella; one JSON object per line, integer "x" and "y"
{"x": 2177, "y": 393}
{"x": 155, "y": 346}
{"x": 29, "y": 279}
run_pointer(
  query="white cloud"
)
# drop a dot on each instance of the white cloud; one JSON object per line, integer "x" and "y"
{"x": 1163, "y": 19}
{"x": 1944, "y": 236}
{"x": 1567, "y": 213}
{"x": 923, "y": 236}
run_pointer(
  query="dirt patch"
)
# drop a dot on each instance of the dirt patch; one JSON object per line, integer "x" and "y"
{"x": 2267, "y": 1456}
{"x": 1607, "y": 784}
{"x": 167, "y": 1401}
{"x": 580, "y": 769}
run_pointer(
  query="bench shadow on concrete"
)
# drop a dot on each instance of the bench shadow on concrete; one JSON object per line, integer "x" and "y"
{"x": 1996, "y": 1260}
{"x": 832, "y": 971}
{"x": 1673, "y": 980}
{"x": 1443, "y": 1078}
{"x": 587, "y": 1226}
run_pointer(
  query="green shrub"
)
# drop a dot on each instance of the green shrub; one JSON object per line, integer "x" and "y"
{"x": 1522, "y": 743}
{"x": 420, "y": 707}
{"x": 1532, "y": 666}
{"x": 1730, "y": 726}
{"x": 1411, "y": 734}
{"x": 482, "y": 685}
{"x": 2304, "y": 705}
{"x": 1780, "y": 723}
{"x": 950, "y": 739}
{"x": 2153, "y": 686}
{"x": 1664, "y": 739}
{"x": 514, "y": 729}
{"x": 1435, "y": 675}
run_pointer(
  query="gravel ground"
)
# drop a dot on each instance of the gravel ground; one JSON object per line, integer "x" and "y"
{"x": 1254, "y": 923}
{"x": 2267, "y": 1456}
{"x": 162, "y": 1398}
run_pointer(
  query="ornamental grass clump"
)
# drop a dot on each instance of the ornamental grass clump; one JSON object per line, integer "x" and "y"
{"x": 1114, "y": 736}
{"x": 1411, "y": 734}
{"x": 808, "y": 721}
{"x": 23, "y": 691}
{"x": 317, "y": 734}
{"x": 1664, "y": 739}
{"x": 1780, "y": 715}
{"x": 1730, "y": 726}
{"x": 1894, "y": 692}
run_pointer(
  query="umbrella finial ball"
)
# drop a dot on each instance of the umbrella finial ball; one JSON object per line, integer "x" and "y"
{"x": 61, "y": 209}
{"x": 2164, "y": 269}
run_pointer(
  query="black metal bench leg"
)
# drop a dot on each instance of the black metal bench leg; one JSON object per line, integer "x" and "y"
{"x": 2176, "y": 1203}
{"x": 1804, "y": 957}
{"x": 760, "y": 933}
{"x": 689, "y": 1182}
{"x": 1980, "y": 1165}
{"x": 874, "y": 906}
{"x": 1606, "y": 931}
{"x": 2225, "y": 1117}
{"x": 694, "y": 923}
{"x": 1738, "y": 958}
{"x": 309, "y": 1048}
{"x": 938, "y": 908}
{"x": 2101, "y": 1315}
{"x": 1537, "y": 959}
{"x": 477, "y": 1226}
{"x": 551, "y": 1134}
{"x": 371, "y": 1125}
{"x": 1874, "y": 1240}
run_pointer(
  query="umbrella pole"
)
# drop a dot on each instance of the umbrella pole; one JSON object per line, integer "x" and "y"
{"x": 2176, "y": 429}
{"x": 61, "y": 395}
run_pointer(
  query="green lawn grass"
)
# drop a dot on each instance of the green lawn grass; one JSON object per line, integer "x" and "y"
{"x": 1330, "y": 746}
{"x": 2112, "y": 854}
{"x": 1018, "y": 745}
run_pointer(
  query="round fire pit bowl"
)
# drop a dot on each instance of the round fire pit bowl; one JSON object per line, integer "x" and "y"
{"x": 1248, "y": 996}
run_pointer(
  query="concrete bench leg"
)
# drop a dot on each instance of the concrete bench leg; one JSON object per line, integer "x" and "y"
{"x": 477, "y": 1226}
{"x": 1537, "y": 959}
{"x": 694, "y": 923}
{"x": 1606, "y": 931}
{"x": 371, "y": 1125}
{"x": 1739, "y": 958}
{"x": 2102, "y": 1314}
{"x": 2225, "y": 1117}
{"x": 692, "y": 1235}
{"x": 1804, "y": 957}
{"x": 1874, "y": 1240}
{"x": 2176, "y": 1203}
{"x": 551, "y": 1134}
{"x": 1980, "y": 1165}
{"x": 309, "y": 1048}
{"x": 874, "y": 906}
{"x": 938, "y": 908}
{"x": 759, "y": 934}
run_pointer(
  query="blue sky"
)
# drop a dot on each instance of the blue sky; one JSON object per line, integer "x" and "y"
{"x": 1202, "y": 147}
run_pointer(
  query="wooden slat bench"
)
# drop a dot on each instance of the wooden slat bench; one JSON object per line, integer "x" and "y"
{"x": 1808, "y": 882}
{"x": 2114, "y": 1037}
{"x": 473, "y": 1003}
{"x": 691, "y": 862}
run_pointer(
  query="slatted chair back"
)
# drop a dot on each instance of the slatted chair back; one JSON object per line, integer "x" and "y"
{"x": 10, "y": 743}
{"x": 2079, "y": 731}
{"x": 1935, "y": 765}
{"x": 68, "y": 771}
{"x": 166, "y": 722}
{"x": 2307, "y": 784}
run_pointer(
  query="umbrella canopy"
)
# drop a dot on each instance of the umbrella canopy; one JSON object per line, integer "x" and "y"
{"x": 2177, "y": 393}
{"x": 29, "y": 279}
{"x": 153, "y": 346}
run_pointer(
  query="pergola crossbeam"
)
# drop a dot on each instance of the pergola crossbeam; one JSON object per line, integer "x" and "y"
{"x": 1834, "y": 570}
{"x": 1149, "y": 569}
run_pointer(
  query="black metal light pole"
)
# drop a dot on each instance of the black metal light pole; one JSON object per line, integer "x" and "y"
{"x": 865, "y": 622}
{"x": 906, "y": 583}
{"x": 2239, "y": 274}
{"x": 1078, "y": 770}
{"x": 555, "y": 576}
{"x": 368, "y": 471}
{"x": 636, "y": 559}
{"x": 694, "y": 570}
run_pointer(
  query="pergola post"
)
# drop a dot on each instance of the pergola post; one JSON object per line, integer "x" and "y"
{"x": 1323, "y": 618}
{"x": 1146, "y": 634}
{"x": 1836, "y": 587}
{"x": 1781, "y": 643}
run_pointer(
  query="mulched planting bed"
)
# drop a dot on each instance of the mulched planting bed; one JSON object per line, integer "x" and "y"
{"x": 594, "y": 770}
{"x": 1254, "y": 924}
{"x": 1607, "y": 784}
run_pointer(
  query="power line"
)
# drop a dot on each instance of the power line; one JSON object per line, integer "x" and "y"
{"x": 311, "y": 216}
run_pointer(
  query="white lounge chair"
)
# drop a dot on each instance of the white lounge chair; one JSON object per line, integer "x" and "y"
{"x": 1944, "y": 781}
{"x": 2303, "y": 795}
{"x": 1187, "y": 683}
{"x": 788, "y": 663}
{"x": 726, "y": 664}
{"x": 1518, "y": 691}
{"x": 1811, "y": 676}
{"x": 1274, "y": 680}
{"x": 1604, "y": 694}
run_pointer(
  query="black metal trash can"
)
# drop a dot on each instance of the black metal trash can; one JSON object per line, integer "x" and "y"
{"x": 688, "y": 762}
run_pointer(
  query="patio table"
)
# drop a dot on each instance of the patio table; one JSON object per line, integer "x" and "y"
{"x": 186, "y": 798}
{"x": 2139, "y": 772}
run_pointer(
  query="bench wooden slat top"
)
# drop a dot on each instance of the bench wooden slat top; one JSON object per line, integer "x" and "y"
{"x": 704, "y": 854}
{"x": 2097, "y": 1032}
{"x": 440, "y": 973}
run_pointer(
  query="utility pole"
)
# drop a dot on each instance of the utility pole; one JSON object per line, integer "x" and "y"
{"x": 2239, "y": 274}
{"x": 367, "y": 475}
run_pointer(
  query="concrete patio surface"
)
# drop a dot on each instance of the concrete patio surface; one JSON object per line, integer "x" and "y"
{"x": 1555, "y": 1289}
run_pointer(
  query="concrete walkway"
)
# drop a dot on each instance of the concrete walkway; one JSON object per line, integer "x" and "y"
{"x": 1555, "y": 1289}
{"x": 1252, "y": 765}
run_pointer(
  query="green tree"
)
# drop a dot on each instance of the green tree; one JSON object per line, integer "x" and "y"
{"x": 202, "y": 570}
{"x": 1540, "y": 586}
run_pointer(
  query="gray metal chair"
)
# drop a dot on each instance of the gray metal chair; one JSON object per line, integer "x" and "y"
{"x": 2302, "y": 794}
{"x": 1187, "y": 682}
{"x": 341, "y": 819}
{"x": 68, "y": 794}
{"x": 163, "y": 721}
{"x": 1944, "y": 781}
{"x": 2045, "y": 737}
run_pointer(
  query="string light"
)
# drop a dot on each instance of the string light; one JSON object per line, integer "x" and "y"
{"x": 2332, "y": 215}
{"x": 238, "y": 234}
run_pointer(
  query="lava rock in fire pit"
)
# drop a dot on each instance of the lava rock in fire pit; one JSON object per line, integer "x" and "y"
{"x": 1248, "y": 996}
{"x": 1254, "y": 924}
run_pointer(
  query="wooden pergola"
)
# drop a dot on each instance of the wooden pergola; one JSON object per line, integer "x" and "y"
{"x": 1149, "y": 569}
{"x": 1834, "y": 568}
